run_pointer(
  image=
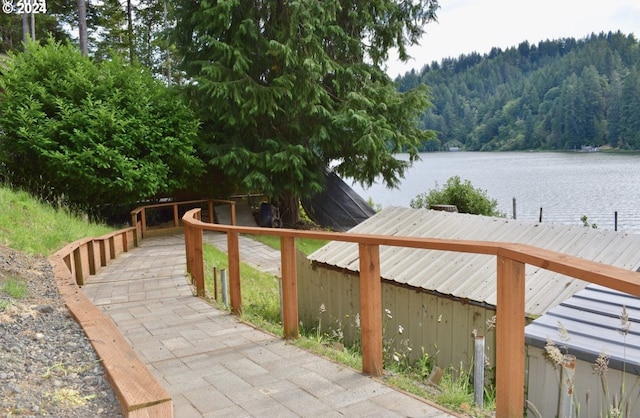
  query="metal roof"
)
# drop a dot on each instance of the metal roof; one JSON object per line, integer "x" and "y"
{"x": 473, "y": 276}
{"x": 592, "y": 319}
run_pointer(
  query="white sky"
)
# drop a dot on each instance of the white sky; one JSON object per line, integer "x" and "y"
{"x": 466, "y": 26}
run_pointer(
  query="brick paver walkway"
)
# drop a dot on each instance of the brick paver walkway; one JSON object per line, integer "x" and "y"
{"x": 211, "y": 364}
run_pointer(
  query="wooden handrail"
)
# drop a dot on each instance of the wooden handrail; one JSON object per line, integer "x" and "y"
{"x": 511, "y": 260}
{"x": 139, "y": 214}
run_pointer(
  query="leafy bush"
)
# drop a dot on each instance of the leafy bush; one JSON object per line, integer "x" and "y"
{"x": 91, "y": 134}
{"x": 461, "y": 194}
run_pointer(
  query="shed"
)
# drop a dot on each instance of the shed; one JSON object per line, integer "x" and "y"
{"x": 587, "y": 325}
{"x": 438, "y": 299}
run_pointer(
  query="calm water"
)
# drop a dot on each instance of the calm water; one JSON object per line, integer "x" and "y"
{"x": 565, "y": 185}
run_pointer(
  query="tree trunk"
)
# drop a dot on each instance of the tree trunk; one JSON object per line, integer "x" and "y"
{"x": 130, "y": 32}
{"x": 168, "y": 57}
{"x": 289, "y": 209}
{"x": 33, "y": 26}
{"x": 82, "y": 27}
{"x": 25, "y": 28}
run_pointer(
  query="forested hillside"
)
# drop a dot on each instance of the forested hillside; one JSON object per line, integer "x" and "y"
{"x": 559, "y": 94}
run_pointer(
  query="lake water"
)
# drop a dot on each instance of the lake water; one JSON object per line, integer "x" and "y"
{"x": 565, "y": 185}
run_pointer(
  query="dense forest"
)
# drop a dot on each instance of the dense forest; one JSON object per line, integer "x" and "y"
{"x": 558, "y": 94}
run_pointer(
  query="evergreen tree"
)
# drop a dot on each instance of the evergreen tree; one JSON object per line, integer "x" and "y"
{"x": 629, "y": 120}
{"x": 286, "y": 88}
{"x": 154, "y": 19}
{"x": 112, "y": 37}
{"x": 614, "y": 106}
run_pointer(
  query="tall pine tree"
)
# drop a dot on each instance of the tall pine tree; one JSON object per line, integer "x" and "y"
{"x": 286, "y": 88}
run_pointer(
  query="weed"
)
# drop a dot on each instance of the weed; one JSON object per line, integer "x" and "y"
{"x": 56, "y": 368}
{"x": 396, "y": 348}
{"x": 68, "y": 397}
{"x": 260, "y": 291}
{"x": 585, "y": 222}
{"x": 614, "y": 404}
{"x": 14, "y": 288}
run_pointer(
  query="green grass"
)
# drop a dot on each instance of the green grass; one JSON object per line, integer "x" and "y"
{"x": 11, "y": 288}
{"x": 306, "y": 246}
{"x": 260, "y": 291}
{"x": 14, "y": 288}
{"x": 37, "y": 228}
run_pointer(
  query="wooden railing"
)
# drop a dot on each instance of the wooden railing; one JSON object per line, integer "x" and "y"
{"x": 138, "y": 391}
{"x": 84, "y": 257}
{"x": 511, "y": 260}
{"x": 139, "y": 215}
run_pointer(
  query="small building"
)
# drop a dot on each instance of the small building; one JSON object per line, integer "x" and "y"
{"x": 435, "y": 301}
{"x": 587, "y": 325}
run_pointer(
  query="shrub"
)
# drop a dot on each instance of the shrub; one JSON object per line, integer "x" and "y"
{"x": 91, "y": 134}
{"x": 461, "y": 194}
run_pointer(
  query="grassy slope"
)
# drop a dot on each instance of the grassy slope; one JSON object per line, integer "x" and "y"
{"x": 36, "y": 228}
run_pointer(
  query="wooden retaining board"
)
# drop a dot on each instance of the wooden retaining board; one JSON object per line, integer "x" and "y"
{"x": 138, "y": 391}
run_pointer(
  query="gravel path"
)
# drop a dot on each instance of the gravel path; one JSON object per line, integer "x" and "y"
{"x": 47, "y": 365}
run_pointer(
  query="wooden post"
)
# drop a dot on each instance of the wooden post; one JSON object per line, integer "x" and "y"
{"x": 143, "y": 219}
{"x": 540, "y": 218}
{"x": 510, "y": 338}
{"x": 176, "y": 221}
{"x": 188, "y": 249}
{"x": 289, "y": 287}
{"x": 198, "y": 261}
{"x": 104, "y": 257}
{"x": 134, "y": 223}
{"x": 371, "y": 309}
{"x": 112, "y": 247}
{"x": 125, "y": 241}
{"x": 212, "y": 218}
{"x": 77, "y": 264}
{"x": 91, "y": 246}
{"x": 232, "y": 209}
{"x": 233, "y": 252}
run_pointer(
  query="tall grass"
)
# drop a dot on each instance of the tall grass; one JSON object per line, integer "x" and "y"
{"x": 306, "y": 246}
{"x": 37, "y": 228}
{"x": 260, "y": 290}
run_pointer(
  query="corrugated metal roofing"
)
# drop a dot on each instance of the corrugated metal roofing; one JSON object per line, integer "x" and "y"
{"x": 473, "y": 276}
{"x": 592, "y": 319}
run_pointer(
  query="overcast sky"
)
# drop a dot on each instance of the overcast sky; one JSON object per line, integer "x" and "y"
{"x": 466, "y": 26}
